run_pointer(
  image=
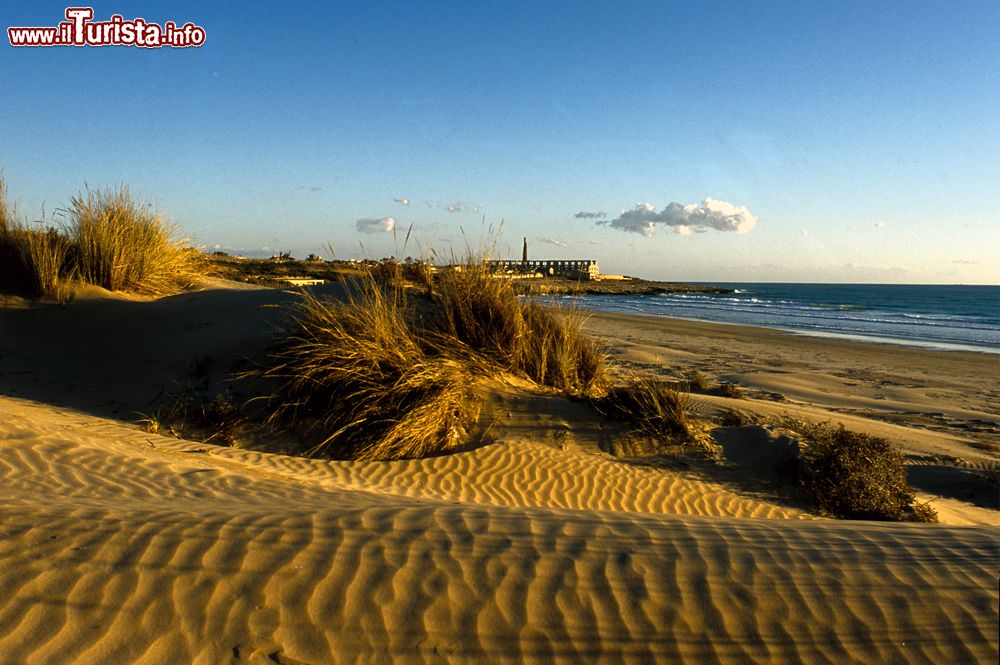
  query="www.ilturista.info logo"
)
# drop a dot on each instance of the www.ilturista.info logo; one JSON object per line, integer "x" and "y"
{"x": 80, "y": 30}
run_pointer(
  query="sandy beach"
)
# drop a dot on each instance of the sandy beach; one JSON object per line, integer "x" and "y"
{"x": 121, "y": 545}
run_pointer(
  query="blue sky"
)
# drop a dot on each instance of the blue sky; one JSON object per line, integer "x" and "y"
{"x": 862, "y": 139}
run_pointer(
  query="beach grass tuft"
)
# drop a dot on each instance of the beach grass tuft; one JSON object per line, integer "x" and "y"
{"x": 122, "y": 244}
{"x": 726, "y": 389}
{"x": 33, "y": 261}
{"x": 545, "y": 344}
{"x": 356, "y": 370}
{"x": 650, "y": 405}
{"x": 698, "y": 382}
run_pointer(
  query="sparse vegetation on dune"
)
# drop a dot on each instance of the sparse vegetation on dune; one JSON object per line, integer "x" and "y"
{"x": 651, "y": 404}
{"x": 653, "y": 407}
{"x": 388, "y": 372}
{"x": 110, "y": 239}
{"x": 33, "y": 262}
{"x": 726, "y": 389}
{"x": 699, "y": 383}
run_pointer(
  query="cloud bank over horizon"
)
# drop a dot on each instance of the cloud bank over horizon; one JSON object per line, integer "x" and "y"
{"x": 683, "y": 219}
{"x": 375, "y": 225}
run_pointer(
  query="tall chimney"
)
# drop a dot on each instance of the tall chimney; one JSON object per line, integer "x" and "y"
{"x": 524, "y": 252}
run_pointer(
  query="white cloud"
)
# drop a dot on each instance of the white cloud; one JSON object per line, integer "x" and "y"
{"x": 553, "y": 241}
{"x": 583, "y": 214}
{"x": 373, "y": 225}
{"x": 804, "y": 232}
{"x": 695, "y": 217}
{"x": 454, "y": 207}
{"x": 402, "y": 201}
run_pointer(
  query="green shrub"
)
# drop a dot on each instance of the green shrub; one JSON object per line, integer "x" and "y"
{"x": 857, "y": 476}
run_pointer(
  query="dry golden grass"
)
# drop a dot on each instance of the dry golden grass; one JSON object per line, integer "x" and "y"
{"x": 698, "y": 382}
{"x": 7, "y": 212}
{"x": 110, "y": 240}
{"x": 356, "y": 371}
{"x": 387, "y": 372}
{"x": 726, "y": 389}
{"x": 545, "y": 344}
{"x": 653, "y": 408}
{"x": 122, "y": 244}
{"x": 33, "y": 262}
{"x": 649, "y": 404}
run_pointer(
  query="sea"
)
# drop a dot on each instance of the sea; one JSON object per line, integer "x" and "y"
{"x": 965, "y": 318}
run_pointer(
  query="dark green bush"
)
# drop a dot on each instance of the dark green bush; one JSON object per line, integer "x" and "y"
{"x": 857, "y": 476}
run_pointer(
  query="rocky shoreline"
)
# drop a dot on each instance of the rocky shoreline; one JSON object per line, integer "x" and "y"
{"x": 549, "y": 286}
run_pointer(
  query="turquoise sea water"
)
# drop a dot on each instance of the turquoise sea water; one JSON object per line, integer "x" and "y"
{"x": 943, "y": 317}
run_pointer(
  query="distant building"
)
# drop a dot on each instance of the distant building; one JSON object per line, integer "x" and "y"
{"x": 302, "y": 281}
{"x": 586, "y": 269}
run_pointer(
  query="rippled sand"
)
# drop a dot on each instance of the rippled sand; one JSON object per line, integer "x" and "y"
{"x": 121, "y": 546}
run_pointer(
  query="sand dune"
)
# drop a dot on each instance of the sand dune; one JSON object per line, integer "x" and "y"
{"x": 116, "y": 550}
{"x": 123, "y": 546}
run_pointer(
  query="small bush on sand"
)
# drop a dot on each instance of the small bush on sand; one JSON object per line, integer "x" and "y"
{"x": 737, "y": 418}
{"x": 730, "y": 390}
{"x": 193, "y": 414}
{"x": 698, "y": 382}
{"x": 124, "y": 245}
{"x": 857, "y": 476}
